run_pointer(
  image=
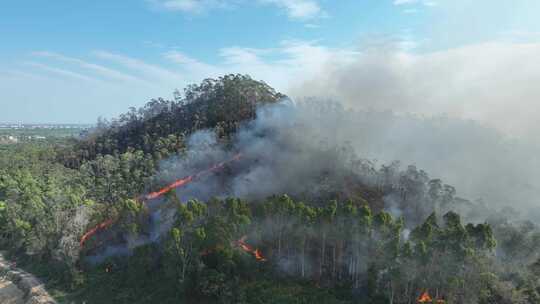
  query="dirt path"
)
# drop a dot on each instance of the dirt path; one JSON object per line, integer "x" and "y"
{"x": 10, "y": 294}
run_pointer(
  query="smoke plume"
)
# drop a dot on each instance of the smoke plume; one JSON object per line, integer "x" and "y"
{"x": 467, "y": 115}
{"x": 313, "y": 148}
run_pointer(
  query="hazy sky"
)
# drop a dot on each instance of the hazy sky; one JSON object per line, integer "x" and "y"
{"x": 72, "y": 61}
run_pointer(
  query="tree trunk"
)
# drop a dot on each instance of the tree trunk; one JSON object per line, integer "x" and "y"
{"x": 279, "y": 237}
{"x": 334, "y": 262}
{"x": 303, "y": 267}
{"x": 391, "y": 293}
{"x": 323, "y": 247}
{"x": 340, "y": 258}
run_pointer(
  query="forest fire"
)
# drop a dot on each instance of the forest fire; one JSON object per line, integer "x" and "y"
{"x": 188, "y": 179}
{"x": 259, "y": 256}
{"x": 426, "y": 298}
{"x": 92, "y": 231}
{"x": 153, "y": 195}
{"x": 179, "y": 183}
{"x": 247, "y": 248}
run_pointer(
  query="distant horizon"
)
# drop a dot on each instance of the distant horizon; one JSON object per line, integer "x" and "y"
{"x": 4, "y": 124}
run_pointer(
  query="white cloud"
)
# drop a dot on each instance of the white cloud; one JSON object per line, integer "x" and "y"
{"x": 183, "y": 5}
{"x": 193, "y": 67}
{"x": 191, "y": 6}
{"x": 145, "y": 70}
{"x": 298, "y": 9}
{"x": 409, "y": 2}
{"x": 57, "y": 88}
{"x": 96, "y": 68}
{"x": 295, "y": 9}
{"x": 239, "y": 56}
{"x": 401, "y": 2}
{"x": 107, "y": 83}
{"x": 61, "y": 72}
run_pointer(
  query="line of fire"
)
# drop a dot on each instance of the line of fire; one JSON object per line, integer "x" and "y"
{"x": 175, "y": 185}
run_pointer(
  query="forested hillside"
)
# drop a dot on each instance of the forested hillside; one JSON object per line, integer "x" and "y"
{"x": 161, "y": 127}
{"x": 224, "y": 195}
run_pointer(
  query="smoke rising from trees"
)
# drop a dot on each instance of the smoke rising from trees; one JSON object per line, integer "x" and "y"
{"x": 313, "y": 146}
{"x": 440, "y": 111}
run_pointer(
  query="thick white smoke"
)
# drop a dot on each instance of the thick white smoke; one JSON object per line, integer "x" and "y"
{"x": 314, "y": 148}
{"x": 287, "y": 149}
{"x": 492, "y": 83}
{"x": 466, "y": 115}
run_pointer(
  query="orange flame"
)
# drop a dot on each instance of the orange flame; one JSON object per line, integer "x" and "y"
{"x": 92, "y": 231}
{"x": 188, "y": 179}
{"x": 153, "y": 195}
{"x": 425, "y": 298}
{"x": 259, "y": 256}
{"x": 247, "y": 248}
{"x": 179, "y": 183}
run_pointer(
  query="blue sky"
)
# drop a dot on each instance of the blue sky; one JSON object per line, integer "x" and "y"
{"x": 72, "y": 61}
